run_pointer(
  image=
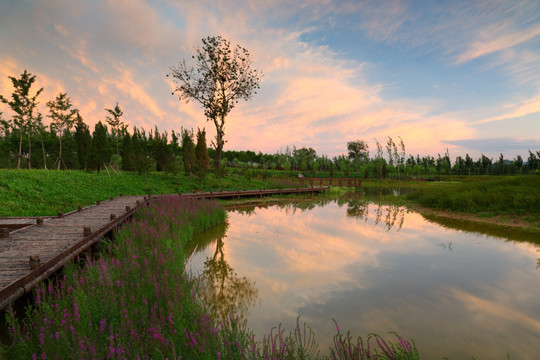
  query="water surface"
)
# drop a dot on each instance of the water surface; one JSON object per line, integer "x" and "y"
{"x": 456, "y": 292}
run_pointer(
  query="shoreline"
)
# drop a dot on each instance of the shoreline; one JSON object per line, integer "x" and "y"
{"x": 516, "y": 221}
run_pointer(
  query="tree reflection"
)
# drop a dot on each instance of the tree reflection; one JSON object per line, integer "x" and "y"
{"x": 393, "y": 215}
{"x": 225, "y": 292}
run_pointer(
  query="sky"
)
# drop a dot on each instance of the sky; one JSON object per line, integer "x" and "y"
{"x": 456, "y": 75}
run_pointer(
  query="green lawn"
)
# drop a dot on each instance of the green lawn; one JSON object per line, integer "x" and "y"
{"x": 45, "y": 192}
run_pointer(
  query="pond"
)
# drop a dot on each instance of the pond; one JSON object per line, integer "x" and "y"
{"x": 456, "y": 291}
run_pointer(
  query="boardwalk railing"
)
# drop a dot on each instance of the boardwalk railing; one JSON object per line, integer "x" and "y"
{"x": 351, "y": 182}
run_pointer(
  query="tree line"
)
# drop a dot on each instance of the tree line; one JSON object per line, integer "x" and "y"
{"x": 389, "y": 161}
{"x": 68, "y": 143}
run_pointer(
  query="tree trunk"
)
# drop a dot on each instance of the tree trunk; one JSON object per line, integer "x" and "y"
{"x": 219, "y": 140}
{"x": 43, "y": 150}
{"x": 29, "y": 152}
{"x": 59, "y": 153}
{"x": 20, "y": 150}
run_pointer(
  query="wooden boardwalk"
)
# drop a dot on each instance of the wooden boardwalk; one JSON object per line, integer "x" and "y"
{"x": 56, "y": 240}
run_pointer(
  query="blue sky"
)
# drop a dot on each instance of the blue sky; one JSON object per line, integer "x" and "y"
{"x": 462, "y": 75}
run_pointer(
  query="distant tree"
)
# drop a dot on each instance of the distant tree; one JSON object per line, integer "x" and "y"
{"x": 358, "y": 149}
{"x": 99, "y": 151}
{"x": 175, "y": 145}
{"x": 401, "y": 156}
{"x": 221, "y": 77}
{"x": 459, "y": 165}
{"x": 486, "y": 164}
{"x": 390, "y": 145}
{"x": 113, "y": 119}
{"x": 500, "y": 165}
{"x": 379, "y": 159}
{"x": 23, "y": 105}
{"x": 469, "y": 163}
{"x": 202, "y": 159}
{"x": 188, "y": 151}
{"x": 63, "y": 117}
{"x": 83, "y": 140}
{"x": 532, "y": 161}
{"x": 305, "y": 158}
{"x": 518, "y": 161}
{"x": 128, "y": 155}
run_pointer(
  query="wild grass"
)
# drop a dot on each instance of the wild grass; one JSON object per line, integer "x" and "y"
{"x": 135, "y": 302}
{"x": 498, "y": 195}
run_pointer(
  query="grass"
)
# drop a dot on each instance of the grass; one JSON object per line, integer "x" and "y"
{"x": 135, "y": 302}
{"x": 45, "y": 192}
{"x": 518, "y": 195}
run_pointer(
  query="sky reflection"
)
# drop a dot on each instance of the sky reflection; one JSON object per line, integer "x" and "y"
{"x": 380, "y": 268}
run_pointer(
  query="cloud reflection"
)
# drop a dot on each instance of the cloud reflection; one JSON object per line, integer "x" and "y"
{"x": 380, "y": 268}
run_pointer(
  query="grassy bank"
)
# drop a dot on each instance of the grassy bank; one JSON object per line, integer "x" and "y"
{"x": 45, "y": 192}
{"x": 136, "y": 303}
{"x": 509, "y": 196}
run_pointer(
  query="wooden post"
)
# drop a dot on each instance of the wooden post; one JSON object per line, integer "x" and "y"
{"x": 39, "y": 221}
{"x": 60, "y": 215}
{"x": 128, "y": 208}
{"x": 121, "y": 194}
{"x": 87, "y": 231}
{"x": 4, "y": 232}
{"x": 34, "y": 262}
{"x": 111, "y": 198}
{"x": 138, "y": 203}
{"x": 98, "y": 202}
{"x": 79, "y": 208}
{"x": 113, "y": 216}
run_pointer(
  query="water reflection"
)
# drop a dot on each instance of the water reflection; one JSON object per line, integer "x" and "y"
{"x": 222, "y": 289}
{"x": 458, "y": 293}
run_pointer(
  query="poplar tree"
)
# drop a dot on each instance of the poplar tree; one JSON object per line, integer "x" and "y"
{"x": 23, "y": 105}
{"x": 99, "y": 151}
{"x": 201, "y": 152}
{"x": 188, "y": 150}
{"x": 84, "y": 142}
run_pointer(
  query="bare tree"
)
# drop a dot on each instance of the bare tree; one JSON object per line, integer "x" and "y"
{"x": 221, "y": 76}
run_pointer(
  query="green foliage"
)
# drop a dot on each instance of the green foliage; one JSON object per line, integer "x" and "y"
{"x": 99, "y": 152}
{"x": 508, "y": 194}
{"x": 188, "y": 148}
{"x": 202, "y": 159}
{"x": 23, "y": 105}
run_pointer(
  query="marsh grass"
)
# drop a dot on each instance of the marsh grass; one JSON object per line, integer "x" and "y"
{"x": 518, "y": 195}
